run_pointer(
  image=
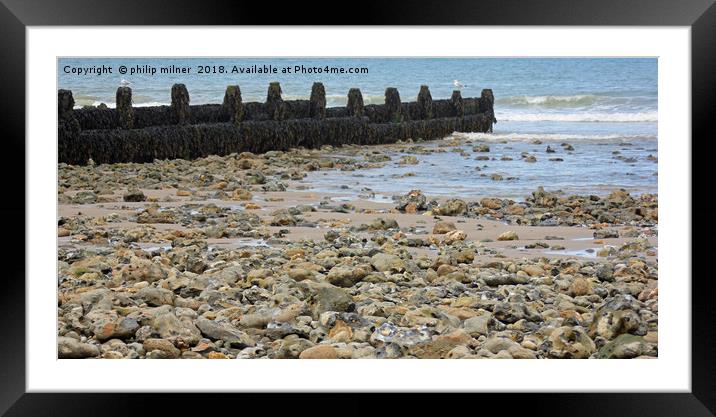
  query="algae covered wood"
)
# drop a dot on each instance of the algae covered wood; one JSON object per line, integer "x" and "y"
{"x": 180, "y": 104}
{"x": 124, "y": 108}
{"x": 181, "y": 130}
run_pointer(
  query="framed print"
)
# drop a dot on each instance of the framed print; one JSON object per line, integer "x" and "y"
{"x": 406, "y": 205}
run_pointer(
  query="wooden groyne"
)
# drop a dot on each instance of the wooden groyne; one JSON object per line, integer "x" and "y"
{"x": 181, "y": 130}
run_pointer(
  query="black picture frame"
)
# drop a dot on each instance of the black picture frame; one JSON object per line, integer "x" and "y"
{"x": 15, "y": 15}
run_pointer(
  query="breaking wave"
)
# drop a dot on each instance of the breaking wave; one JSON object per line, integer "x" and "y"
{"x": 547, "y": 136}
{"x": 578, "y": 100}
{"x": 650, "y": 116}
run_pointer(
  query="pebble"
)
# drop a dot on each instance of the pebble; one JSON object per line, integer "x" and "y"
{"x": 319, "y": 352}
{"x": 134, "y": 195}
{"x": 477, "y": 326}
{"x": 70, "y": 348}
{"x": 443, "y": 227}
{"x": 508, "y": 235}
{"x": 165, "y": 348}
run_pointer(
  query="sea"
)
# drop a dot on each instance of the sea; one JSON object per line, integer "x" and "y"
{"x": 605, "y": 108}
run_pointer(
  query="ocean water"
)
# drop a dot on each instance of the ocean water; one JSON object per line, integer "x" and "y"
{"x": 594, "y": 166}
{"x": 599, "y": 105}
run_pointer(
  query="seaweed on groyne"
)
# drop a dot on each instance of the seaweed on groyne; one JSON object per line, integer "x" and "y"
{"x": 181, "y": 130}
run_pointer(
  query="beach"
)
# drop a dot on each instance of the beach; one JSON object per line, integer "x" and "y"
{"x": 503, "y": 245}
{"x": 383, "y": 208}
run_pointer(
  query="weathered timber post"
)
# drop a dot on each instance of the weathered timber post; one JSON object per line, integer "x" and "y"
{"x": 125, "y": 111}
{"x": 393, "y": 106}
{"x": 274, "y": 103}
{"x": 425, "y": 102}
{"x": 317, "y": 105}
{"x": 180, "y": 103}
{"x": 487, "y": 103}
{"x": 355, "y": 102}
{"x": 65, "y": 104}
{"x": 457, "y": 103}
{"x": 68, "y": 130}
{"x": 233, "y": 106}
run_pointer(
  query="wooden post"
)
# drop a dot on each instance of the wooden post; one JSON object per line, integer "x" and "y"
{"x": 65, "y": 104}
{"x": 457, "y": 103}
{"x": 180, "y": 103}
{"x": 274, "y": 103}
{"x": 317, "y": 106}
{"x": 487, "y": 103}
{"x": 393, "y": 106}
{"x": 124, "y": 107}
{"x": 355, "y": 102}
{"x": 68, "y": 130}
{"x": 233, "y": 106}
{"x": 425, "y": 102}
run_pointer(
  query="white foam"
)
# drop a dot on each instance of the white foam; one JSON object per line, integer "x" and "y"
{"x": 651, "y": 116}
{"x": 113, "y": 105}
{"x": 551, "y": 101}
{"x": 331, "y": 101}
{"x": 543, "y": 136}
{"x": 151, "y": 104}
{"x": 339, "y": 100}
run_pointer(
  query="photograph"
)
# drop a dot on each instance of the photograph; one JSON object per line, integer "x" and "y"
{"x": 357, "y": 207}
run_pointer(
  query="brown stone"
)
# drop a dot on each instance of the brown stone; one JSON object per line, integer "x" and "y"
{"x": 454, "y": 236}
{"x": 440, "y": 346}
{"x": 443, "y": 227}
{"x": 341, "y": 332}
{"x": 411, "y": 208}
{"x": 508, "y": 235}
{"x": 515, "y": 210}
{"x": 241, "y": 194}
{"x": 533, "y": 270}
{"x": 319, "y": 352}
{"x": 580, "y": 286}
{"x": 163, "y": 345}
{"x": 491, "y": 203}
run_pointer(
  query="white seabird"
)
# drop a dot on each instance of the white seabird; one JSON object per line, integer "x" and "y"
{"x": 458, "y": 84}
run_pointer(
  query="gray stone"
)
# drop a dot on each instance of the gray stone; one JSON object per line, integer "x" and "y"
{"x": 222, "y": 331}
{"x": 415, "y": 198}
{"x": 347, "y": 276}
{"x": 606, "y": 234}
{"x": 292, "y": 346}
{"x": 476, "y": 326}
{"x": 169, "y": 326}
{"x": 155, "y": 296}
{"x": 134, "y": 195}
{"x": 505, "y": 279}
{"x": 570, "y": 343}
{"x": 85, "y": 197}
{"x": 383, "y": 224}
{"x": 69, "y": 348}
{"x": 512, "y": 312}
{"x": 385, "y": 262}
{"x": 452, "y": 207}
{"x": 605, "y": 272}
{"x": 498, "y": 344}
{"x": 625, "y": 346}
{"x": 328, "y": 297}
{"x": 617, "y": 316}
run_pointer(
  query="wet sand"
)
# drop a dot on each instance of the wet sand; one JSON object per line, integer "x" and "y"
{"x": 575, "y": 239}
